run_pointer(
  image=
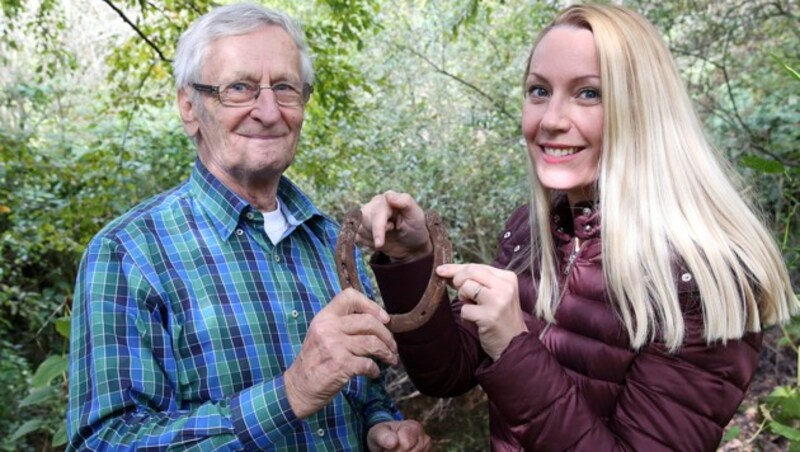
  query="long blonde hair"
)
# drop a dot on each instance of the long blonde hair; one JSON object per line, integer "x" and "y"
{"x": 664, "y": 194}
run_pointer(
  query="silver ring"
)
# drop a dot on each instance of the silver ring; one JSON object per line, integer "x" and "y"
{"x": 478, "y": 291}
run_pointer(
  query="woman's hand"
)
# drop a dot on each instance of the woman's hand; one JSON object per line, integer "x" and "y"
{"x": 394, "y": 224}
{"x": 491, "y": 302}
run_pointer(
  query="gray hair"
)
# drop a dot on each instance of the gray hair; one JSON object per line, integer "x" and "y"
{"x": 232, "y": 20}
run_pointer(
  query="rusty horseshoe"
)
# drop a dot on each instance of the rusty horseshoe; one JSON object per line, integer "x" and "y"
{"x": 442, "y": 254}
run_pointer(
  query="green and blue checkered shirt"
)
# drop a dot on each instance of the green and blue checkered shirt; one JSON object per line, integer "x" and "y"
{"x": 185, "y": 318}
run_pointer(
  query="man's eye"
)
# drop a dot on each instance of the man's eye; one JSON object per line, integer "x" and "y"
{"x": 239, "y": 87}
{"x": 284, "y": 87}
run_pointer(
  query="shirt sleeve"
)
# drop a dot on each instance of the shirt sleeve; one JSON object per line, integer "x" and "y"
{"x": 124, "y": 378}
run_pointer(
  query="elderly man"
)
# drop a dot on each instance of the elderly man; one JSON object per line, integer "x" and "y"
{"x": 209, "y": 317}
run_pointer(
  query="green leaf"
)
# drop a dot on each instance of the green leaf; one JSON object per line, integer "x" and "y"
{"x": 781, "y": 392}
{"x": 51, "y": 368}
{"x": 38, "y": 396}
{"x": 790, "y": 433}
{"x": 60, "y": 436}
{"x": 62, "y": 326}
{"x": 763, "y": 165}
{"x": 791, "y": 71}
{"x": 731, "y": 434}
{"x": 28, "y": 427}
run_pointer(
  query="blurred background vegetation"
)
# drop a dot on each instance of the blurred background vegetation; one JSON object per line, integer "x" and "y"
{"x": 420, "y": 96}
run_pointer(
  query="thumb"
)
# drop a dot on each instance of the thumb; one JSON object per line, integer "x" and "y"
{"x": 385, "y": 438}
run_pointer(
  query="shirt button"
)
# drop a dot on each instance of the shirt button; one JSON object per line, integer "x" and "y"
{"x": 277, "y": 258}
{"x": 516, "y": 248}
{"x": 250, "y": 215}
{"x": 587, "y": 211}
{"x": 239, "y": 231}
{"x": 321, "y": 432}
{"x": 686, "y": 277}
{"x": 507, "y": 234}
{"x": 295, "y": 313}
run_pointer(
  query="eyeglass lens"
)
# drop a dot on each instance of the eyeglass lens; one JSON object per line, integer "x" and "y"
{"x": 241, "y": 93}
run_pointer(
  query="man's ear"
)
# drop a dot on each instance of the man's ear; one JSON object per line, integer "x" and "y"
{"x": 189, "y": 112}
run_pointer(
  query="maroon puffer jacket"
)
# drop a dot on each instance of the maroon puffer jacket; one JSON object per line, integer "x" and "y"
{"x": 576, "y": 385}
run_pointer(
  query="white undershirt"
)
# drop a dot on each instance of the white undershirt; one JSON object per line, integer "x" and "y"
{"x": 275, "y": 223}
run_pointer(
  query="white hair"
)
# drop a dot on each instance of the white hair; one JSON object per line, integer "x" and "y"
{"x": 664, "y": 194}
{"x": 232, "y": 20}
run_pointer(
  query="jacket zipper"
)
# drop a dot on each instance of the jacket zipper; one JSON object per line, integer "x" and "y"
{"x": 571, "y": 261}
{"x": 568, "y": 268}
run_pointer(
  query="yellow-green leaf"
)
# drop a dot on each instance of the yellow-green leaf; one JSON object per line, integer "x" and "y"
{"x": 51, "y": 368}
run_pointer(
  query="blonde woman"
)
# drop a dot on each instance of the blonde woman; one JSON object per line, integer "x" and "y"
{"x": 625, "y": 305}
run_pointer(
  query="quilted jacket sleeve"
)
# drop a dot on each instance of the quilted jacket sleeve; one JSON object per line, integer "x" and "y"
{"x": 441, "y": 357}
{"x": 669, "y": 401}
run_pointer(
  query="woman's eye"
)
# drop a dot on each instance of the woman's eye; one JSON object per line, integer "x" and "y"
{"x": 589, "y": 94}
{"x": 537, "y": 91}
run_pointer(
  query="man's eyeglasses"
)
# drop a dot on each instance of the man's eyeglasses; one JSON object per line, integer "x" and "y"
{"x": 244, "y": 94}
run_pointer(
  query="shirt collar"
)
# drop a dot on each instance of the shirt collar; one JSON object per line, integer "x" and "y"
{"x": 225, "y": 207}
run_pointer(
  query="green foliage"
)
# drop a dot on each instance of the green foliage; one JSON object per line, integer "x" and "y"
{"x": 782, "y": 413}
{"x": 13, "y": 375}
{"x": 421, "y": 97}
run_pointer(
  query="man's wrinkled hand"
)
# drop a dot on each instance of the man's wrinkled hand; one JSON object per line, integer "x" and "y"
{"x": 343, "y": 341}
{"x": 405, "y": 435}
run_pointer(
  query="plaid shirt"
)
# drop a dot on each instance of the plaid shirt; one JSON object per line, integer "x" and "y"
{"x": 185, "y": 318}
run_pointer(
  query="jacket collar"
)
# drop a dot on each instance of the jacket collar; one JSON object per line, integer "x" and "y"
{"x": 581, "y": 220}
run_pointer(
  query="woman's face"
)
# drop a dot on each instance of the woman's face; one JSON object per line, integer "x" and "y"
{"x": 562, "y": 117}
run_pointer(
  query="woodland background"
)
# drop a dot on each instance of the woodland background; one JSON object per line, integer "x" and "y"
{"x": 413, "y": 95}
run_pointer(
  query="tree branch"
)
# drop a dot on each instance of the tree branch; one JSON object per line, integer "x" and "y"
{"x": 138, "y": 31}
{"x": 460, "y": 80}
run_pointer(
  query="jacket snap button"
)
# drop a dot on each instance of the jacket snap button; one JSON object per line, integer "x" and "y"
{"x": 587, "y": 228}
{"x": 516, "y": 248}
{"x": 507, "y": 234}
{"x": 686, "y": 277}
{"x": 587, "y": 211}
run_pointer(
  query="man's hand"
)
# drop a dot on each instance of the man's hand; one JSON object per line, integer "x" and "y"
{"x": 398, "y": 436}
{"x": 394, "y": 224}
{"x": 342, "y": 340}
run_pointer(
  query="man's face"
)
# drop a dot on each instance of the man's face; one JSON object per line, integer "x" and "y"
{"x": 245, "y": 146}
